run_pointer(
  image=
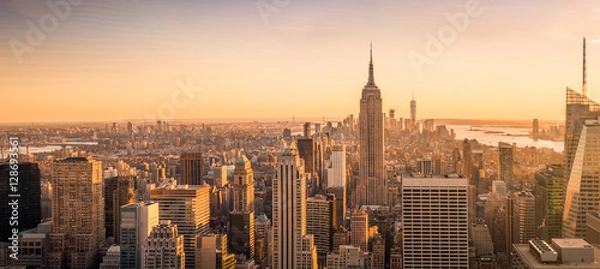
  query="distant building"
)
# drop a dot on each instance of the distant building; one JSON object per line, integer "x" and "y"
{"x": 523, "y": 217}
{"x": 561, "y": 253}
{"x": 241, "y": 219}
{"x": 192, "y": 168}
{"x": 337, "y": 174}
{"x": 535, "y": 132}
{"x": 505, "y": 163}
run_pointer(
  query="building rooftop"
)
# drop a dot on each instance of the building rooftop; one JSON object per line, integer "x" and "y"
{"x": 531, "y": 261}
{"x": 571, "y": 243}
{"x": 433, "y": 180}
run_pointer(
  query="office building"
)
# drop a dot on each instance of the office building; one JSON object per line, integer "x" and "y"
{"x": 29, "y": 189}
{"x": 435, "y": 204}
{"x": 583, "y": 194}
{"x": 137, "y": 221}
{"x": 340, "y": 205}
{"x": 359, "y": 229}
{"x": 241, "y": 219}
{"x": 318, "y": 223}
{"x": 118, "y": 191}
{"x": 192, "y": 168}
{"x": 164, "y": 247}
{"x": 560, "y": 253}
{"x": 549, "y": 202}
{"x": 337, "y": 173}
{"x": 212, "y": 252}
{"x": 372, "y": 181}
{"x": 77, "y": 214}
{"x": 535, "y": 129}
{"x": 347, "y": 257}
{"x": 307, "y": 151}
{"x": 292, "y": 247}
{"x": 505, "y": 163}
{"x": 523, "y": 217}
{"x": 186, "y": 206}
{"x": 112, "y": 259}
{"x": 378, "y": 254}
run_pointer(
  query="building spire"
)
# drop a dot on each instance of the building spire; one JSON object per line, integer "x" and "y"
{"x": 584, "y": 86}
{"x": 371, "y": 76}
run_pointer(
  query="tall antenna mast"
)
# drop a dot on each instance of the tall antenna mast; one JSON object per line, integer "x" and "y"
{"x": 584, "y": 86}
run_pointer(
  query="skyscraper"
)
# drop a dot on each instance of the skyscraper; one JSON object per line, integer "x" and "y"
{"x": 336, "y": 175}
{"x": 241, "y": 219}
{"x": 578, "y": 108}
{"x": 372, "y": 184}
{"x": 30, "y": 210}
{"x": 77, "y": 214}
{"x": 435, "y": 205}
{"x": 318, "y": 223}
{"x": 307, "y": 151}
{"x": 187, "y": 206}
{"x": 467, "y": 160}
{"x": 211, "y": 252}
{"x": 523, "y": 217}
{"x": 292, "y": 247}
{"x": 413, "y": 111}
{"x": 192, "y": 168}
{"x": 549, "y": 195}
{"x": 505, "y": 163}
{"x": 582, "y": 194}
{"x": 137, "y": 221}
{"x": 164, "y": 248}
{"x": 535, "y": 132}
{"x": 118, "y": 191}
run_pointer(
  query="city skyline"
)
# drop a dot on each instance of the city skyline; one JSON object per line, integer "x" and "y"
{"x": 236, "y": 60}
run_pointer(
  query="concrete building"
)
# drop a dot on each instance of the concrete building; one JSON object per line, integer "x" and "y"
{"x": 337, "y": 173}
{"x": 192, "y": 168}
{"x": 440, "y": 205}
{"x": 30, "y": 210}
{"x": 318, "y": 223}
{"x": 505, "y": 163}
{"x": 348, "y": 257}
{"x": 77, "y": 214}
{"x": 137, "y": 221}
{"x": 359, "y": 229}
{"x": 186, "y": 206}
{"x": 592, "y": 224}
{"x": 562, "y": 253}
{"x": 241, "y": 219}
{"x": 292, "y": 246}
{"x": 523, "y": 217}
{"x": 164, "y": 248}
{"x": 112, "y": 259}
{"x": 549, "y": 202}
{"x": 211, "y": 252}
{"x": 118, "y": 191}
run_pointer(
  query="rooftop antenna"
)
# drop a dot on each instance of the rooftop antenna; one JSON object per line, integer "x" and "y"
{"x": 584, "y": 86}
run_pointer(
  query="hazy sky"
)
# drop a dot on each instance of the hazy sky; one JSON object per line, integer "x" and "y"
{"x": 128, "y": 59}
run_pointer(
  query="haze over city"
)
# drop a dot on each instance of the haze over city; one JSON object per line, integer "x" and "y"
{"x": 119, "y": 60}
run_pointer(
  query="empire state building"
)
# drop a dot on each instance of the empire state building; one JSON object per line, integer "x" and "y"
{"x": 373, "y": 189}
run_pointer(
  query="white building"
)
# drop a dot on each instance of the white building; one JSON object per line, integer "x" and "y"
{"x": 137, "y": 220}
{"x": 435, "y": 222}
{"x": 336, "y": 174}
{"x": 164, "y": 248}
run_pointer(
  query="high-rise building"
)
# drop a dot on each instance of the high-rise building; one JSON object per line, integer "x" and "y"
{"x": 118, "y": 191}
{"x": 579, "y": 107}
{"x": 435, "y": 204}
{"x": 137, "y": 221}
{"x": 413, "y": 111}
{"x": 318, "y": 223}
{"x": 307, "y": 151}
{"x": 582, "y": 194}
{"x": 359, "y": 229}
{"x": 336, "y": 176}
{"x": 241, "y": 219}
{"x": 372, "y": 182}
{"x": 164, "y": 248}
{"x": 112, "y": 259}
{"x": 340, "y": 205}
{"x": 467, "y": 160}
{"x": 592, "y": 224}
{"x": 523, "y": 217}
{"x": 77, "y": 214}
{"x": 211, "y": 252}
{"x": 192, "y": 168}
{"x": 29, "y": 203}
{"x": 292, "y": 247}
{"x": 535, "y": 132}
{"x": 306, "y": 130}
{"x": 186, "y": 206}
{"x": 505, "y": 163}
{"x": 549, "y": 202}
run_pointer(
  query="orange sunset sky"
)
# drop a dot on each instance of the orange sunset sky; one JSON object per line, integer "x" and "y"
{"x": 122, "y": 59}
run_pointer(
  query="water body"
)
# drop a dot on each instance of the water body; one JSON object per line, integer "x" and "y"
{"x": 520, "y": 136}
{"x": 45, "y": 149}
